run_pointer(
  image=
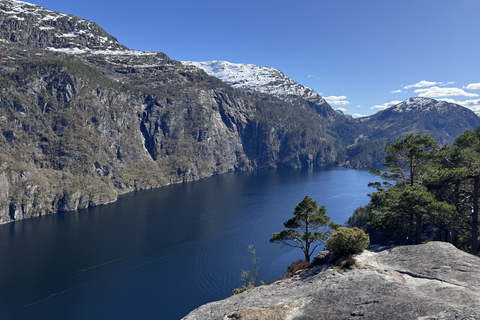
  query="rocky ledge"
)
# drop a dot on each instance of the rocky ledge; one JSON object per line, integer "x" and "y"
{"x": 428, "y": 281}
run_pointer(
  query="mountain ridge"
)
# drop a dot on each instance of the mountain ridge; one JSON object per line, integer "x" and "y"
{"x": 253, "y": 77}
{"x": 444, "y": 121}
{"x": 83, "y": 122}
{"x": 266, "y": 80}
{"x": 364, "y": 138}
{"x": 35, "y": 26}
{"x": 84, "y": 119}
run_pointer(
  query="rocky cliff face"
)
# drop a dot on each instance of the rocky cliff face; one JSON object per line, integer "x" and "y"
{"x": 87, "y": 120}
{"x": 361, "y": 141}
{"x": 428, "y": 281}
{"x": 84, "y": 119}
{"x": 35, "y": 26}
{"x": 265, "y": 80}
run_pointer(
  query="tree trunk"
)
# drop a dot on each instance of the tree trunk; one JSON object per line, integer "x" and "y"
{"x": 418, "y": 229}
{"x": 307, "y": 256}
{"x": 475, "y": 192}
{"x": 411, "y": 229}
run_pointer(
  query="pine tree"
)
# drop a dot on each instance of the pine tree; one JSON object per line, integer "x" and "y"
{"x": 464, "y": 163}
{"x": 308, "y": 217}
{"x": 408, "y": 160}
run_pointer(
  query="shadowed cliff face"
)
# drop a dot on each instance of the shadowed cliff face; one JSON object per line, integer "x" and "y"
{"x": 428, "y": 281}
{"x": 79, "y": 130}
{"x": 84, "y": 119}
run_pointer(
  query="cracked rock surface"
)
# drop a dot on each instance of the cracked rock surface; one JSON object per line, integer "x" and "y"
{"x": 428, "y": 281}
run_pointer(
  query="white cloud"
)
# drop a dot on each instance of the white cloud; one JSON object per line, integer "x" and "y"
{"x": 448, "y": 100}
{"x": 314, "y": 77}
{"x": 337, "y": 100}
{"x": 397, "y": 91}
{"x": 342, "y": 109}
{"x": 473, "y": 105}
{"x": 358, "y": 115}
{"x": 434, "y": 92}
{"x": 473, "y": 86}
{"x": 421, "y": 84}
{"x": 386, "y": 105}
{"x": 446, "y": 84}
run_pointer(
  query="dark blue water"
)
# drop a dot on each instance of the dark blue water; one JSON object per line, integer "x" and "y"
{"x": 159, "y": 254}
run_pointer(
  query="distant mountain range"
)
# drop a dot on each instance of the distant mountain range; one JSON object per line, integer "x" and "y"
{"x": 84, "y": 119}
{"x": 444, "y": 121}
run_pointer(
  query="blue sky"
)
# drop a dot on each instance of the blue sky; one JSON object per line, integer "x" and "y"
{"x": 360, "y": 55}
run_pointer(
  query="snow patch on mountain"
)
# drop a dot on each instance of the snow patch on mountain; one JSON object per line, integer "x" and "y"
{"x": 62, "y": 25}
{"x": 103, "y": 52}
{"x": 261, "y": 79}
{"x": 422, "y": 104}
{"x": 14, "y": 8}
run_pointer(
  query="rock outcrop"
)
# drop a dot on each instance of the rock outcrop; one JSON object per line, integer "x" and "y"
{"x": 35, "y": 26}
{"x": 428, "y": 281}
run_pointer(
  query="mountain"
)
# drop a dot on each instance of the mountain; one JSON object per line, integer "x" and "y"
{"x": 35, "y": 26}
{"x": 364, "y": 139}
{"x": 428, "y": 281}
{"x": 442, "y": 120}
{"x": 266, "y": 80}
{"x": 257, "y": 80}
{"x": 84, "y": 119}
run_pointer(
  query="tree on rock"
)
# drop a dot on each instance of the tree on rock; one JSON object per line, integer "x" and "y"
{"x": 304, "y": 228}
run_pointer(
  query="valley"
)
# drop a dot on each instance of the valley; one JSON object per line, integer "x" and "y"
{"x": 84, "y": 119}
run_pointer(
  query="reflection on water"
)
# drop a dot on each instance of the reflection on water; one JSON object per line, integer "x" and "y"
{"x": 158, "y": 254}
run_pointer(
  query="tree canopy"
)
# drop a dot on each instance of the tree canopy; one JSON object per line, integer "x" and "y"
{"x": 435, "y": 194}
{"x": 304, "y": 230}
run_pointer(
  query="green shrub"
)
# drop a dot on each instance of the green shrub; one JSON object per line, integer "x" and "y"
{"x": 347, "y": 241}
{"x": 243, "y": 288}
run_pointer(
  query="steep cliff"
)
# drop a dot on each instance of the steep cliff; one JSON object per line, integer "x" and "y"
{"x": 86, "y": 120}
{"x": 255, "y": 80}
{"x": 428, "y": 281}
{"x": 361, "y": 141}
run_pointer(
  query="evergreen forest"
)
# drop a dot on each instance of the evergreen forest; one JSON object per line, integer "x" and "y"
{"x": 429, "y": 192}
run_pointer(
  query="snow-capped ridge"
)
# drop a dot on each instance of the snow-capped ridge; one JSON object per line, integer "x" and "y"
{"x": 253, "y": 77}
{"x": 422, "y": 104}
{"x": 37, "y": 26}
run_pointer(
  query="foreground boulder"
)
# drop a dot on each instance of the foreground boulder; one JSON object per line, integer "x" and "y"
{"x": 428, "y": 281}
